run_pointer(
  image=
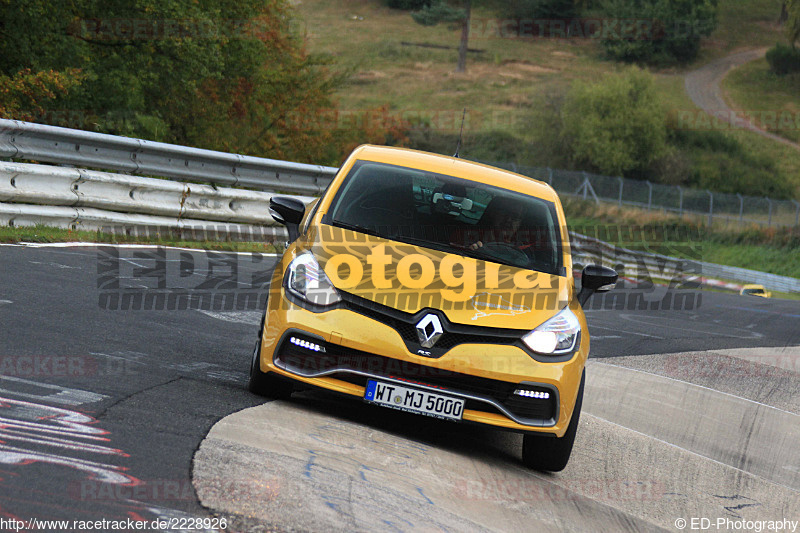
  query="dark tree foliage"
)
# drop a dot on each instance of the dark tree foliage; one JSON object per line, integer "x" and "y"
{"x": 658, "y": 31}
{"x": 439, "y": 11}
{"x": 221, "y": 74}
{"x": 783, "y": 59}
{"x": 792, "y": 21}
{"x": 542, "y": 9}
{"x": 408, "y": 4}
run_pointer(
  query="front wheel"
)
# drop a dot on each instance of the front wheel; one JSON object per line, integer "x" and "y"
{"x": 265, "y": 383}
{"x": 551, "y": 454}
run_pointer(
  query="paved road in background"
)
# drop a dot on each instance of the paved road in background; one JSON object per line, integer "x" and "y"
{"x": 703, "y": 87}
{"x": 104, "y": 409}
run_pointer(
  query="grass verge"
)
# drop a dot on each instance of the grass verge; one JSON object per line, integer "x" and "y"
{"x": 773, "y": 250}
{"x": 45, "y": 234}
{"x": 742, "y": 24}
{"x": 772, "y": 101}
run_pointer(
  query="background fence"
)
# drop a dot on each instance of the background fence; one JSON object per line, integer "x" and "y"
{"x": 712, "y": 207}
{"x": 86, "y": 199}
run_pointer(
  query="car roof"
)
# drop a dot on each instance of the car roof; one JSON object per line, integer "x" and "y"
{"x": 456, "y": 167}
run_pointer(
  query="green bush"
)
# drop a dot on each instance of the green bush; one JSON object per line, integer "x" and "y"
{"x": 616, "y": 126}
{"x": 663, "y": 32}
{"x": 541, "y": 9}
{"x": 408, "y": 4}
{"x": 722, "y": 163}
{"x": 709, "y": 140}
{"x": 438, "y": 11}
{"x": 783, "y": 59}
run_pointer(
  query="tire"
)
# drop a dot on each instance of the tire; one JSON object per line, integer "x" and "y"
{"x": 551, "y": 454}
{"x": 264, "y": 383}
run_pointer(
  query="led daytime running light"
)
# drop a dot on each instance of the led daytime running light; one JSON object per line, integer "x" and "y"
{"x": 532, "y": 394}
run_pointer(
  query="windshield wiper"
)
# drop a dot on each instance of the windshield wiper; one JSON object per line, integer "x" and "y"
{"x": 449, "y": 248}
{"x": 413, "y": 240}
{"x": 357, "y": 227}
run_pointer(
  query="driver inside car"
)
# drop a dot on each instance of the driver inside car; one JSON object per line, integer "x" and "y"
{"x": 500, "y": 223}
{"x": 506, "y": 231}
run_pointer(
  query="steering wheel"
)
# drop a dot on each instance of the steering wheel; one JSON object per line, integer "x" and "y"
{"x": 506, "y": 252}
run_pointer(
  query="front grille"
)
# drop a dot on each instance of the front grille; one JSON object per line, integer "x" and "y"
{"x": 341, "y": 363}
{"x": 454, "y": 334}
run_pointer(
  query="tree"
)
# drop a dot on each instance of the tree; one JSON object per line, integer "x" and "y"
{"x": 667, "y": 31}
{"x": 785, "y": 59}
{"x": 615, "y": 125}
{"x": 440, "y": 11}
{"x": 542, "y": 9}
{"x": 407, "y": 4}
{"x": 792, "y": 21}
{"x": 26, "y": 95}
{"x": 220, "y": 74}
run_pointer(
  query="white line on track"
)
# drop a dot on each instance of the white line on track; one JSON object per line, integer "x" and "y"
{"x": 252, "y": 318}
{"x": 139, "y": 246}
{"x": 64, "y": 395}
{"x": 624, "y": 331}
{"x": 660, "y": 322}
{"x": 596, "y": 362}
{"x": 693, "y": 453}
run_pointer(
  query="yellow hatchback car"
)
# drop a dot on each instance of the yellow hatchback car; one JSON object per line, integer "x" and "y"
{"x": 436, "y": 286}
{"x": 755, "y": 290}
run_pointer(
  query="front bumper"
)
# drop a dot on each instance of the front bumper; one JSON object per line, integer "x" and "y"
{"x": 340, "y": 350}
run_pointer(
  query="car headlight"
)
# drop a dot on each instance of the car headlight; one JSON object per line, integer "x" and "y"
{"x": 556, "y": 336}
{"x": 307, "y": 281}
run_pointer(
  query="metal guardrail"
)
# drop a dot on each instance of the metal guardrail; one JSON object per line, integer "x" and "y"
{"x": 84, "y": 149}
{"x": 80, "y": 199}
{"x": 25, "y": 183}
{"x": 89, "y": 199}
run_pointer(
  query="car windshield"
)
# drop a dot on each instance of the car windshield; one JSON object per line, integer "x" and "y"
{"x": 449, "y": 214}
{"x": 753, "y": 291}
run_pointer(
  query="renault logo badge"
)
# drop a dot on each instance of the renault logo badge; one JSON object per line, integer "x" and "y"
{"x": 429, "y": 329}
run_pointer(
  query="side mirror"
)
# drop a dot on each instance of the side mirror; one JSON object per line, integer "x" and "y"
{"x": 596, "y": 278}
{"x": 289, "y": 212}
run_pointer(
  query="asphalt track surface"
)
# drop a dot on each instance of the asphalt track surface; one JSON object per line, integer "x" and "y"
{"x": 103, "y": 410}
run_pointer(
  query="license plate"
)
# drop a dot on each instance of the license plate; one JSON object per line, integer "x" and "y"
{"x": 414, "y": 400}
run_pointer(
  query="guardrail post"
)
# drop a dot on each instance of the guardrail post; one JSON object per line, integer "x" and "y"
{"x": 621, "y": 184}
{"x": 796, "y": 212}
{"x": 649, "y": 195}
{"x": 769, "y": 220}
{"x": 550, "y": 176}
{"x": 741, "y": 208}
{"x": 680, "y": 200}
{"x": 710, "y": 208}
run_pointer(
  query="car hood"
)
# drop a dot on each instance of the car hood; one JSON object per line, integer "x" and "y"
{"x": 410, "y": 278}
